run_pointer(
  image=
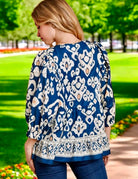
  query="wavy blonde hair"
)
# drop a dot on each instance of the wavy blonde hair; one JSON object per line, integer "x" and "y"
{"x": 59, "y": 14}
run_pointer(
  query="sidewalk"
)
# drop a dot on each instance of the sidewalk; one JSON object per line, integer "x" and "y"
{"x": 123, "y": 162}
{"x": 18, "y": 53}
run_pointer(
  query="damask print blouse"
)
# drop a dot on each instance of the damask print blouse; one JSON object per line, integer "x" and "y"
{"x": 70, "y": 102}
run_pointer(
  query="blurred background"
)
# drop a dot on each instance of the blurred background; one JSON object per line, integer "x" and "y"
{"x": 114, "y": 23}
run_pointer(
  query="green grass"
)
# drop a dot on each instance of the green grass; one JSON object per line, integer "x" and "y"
{"x": 124, "y": 73}
{"x": 124, "y": 67}
{"x": 14, "y": 74}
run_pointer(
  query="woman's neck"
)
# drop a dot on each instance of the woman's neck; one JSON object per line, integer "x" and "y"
{"x": 65, "y": 38}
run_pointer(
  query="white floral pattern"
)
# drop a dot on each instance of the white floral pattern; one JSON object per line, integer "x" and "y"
{"x": 79, "y": 126}
{"x": 66, "y": 64}
{"x": 86, "y": 62}
{"x": 70, "y": 102}
{"x": 78, "y": 88}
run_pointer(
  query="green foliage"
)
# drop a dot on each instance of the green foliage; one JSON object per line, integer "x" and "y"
{"x": 95, "y": 16}
{"x": 17, "y": 171}
{"x": 105, "y": 16}
{"x": 9, "y": 14}
{"x": 91, "y": 14}
{"x": 25, "y": 28}
{"x": 123, "y": 15}
{"x": 121, "y": 126}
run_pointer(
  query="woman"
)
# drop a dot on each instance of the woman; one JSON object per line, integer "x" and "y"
{"x": 70, "y": 105}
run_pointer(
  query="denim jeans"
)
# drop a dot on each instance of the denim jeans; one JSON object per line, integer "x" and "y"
{"x": 92, "y": 169}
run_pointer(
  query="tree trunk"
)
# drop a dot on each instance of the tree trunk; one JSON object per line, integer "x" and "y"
{"x": 124, "y": 42}
{"x": 132, "y": 46}
{"x": 111, "y": 42}
{"x": 92, "y": 37}
{"x": 33, "y": 43}
{"x": 16, "y": 43}
{"x": 27, "y": 43}
{"x": 12, "y": 43}
{"x": 7, "y": 43}
{"x": 99, "y": 38}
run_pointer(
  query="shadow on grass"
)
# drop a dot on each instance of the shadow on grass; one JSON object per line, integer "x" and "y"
{"x": 126, "y": 97}
{"x": 12, "y": 137}
{"x": 13, "y": 89}
{"x": 125, "y": 90}
{"x": 12, "y": 121}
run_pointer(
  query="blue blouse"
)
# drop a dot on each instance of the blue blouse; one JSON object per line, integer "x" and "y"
{"x": 70, "y": 102}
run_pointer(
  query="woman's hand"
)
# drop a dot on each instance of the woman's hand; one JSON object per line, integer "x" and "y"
{"x": 105, "y": 159}
{"x": 107, "y": 131}
{"x": 28, "y": 152}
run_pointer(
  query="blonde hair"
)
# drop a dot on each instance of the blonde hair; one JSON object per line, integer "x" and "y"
{"x": 59, "y": 14}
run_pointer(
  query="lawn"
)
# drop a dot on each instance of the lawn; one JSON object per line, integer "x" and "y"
{"x": 124, "y": 72}
{"x": 14, "y": 74}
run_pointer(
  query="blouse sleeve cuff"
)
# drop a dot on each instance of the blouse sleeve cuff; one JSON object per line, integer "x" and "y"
{"x": 110, "y": 120}
{"x": 33, "y": 135}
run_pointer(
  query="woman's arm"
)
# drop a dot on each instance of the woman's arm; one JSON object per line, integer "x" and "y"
{"x": 28, "y": 152}
{"x": 107, "y": 97}
{"x": 107, "y": 131}
{"x": 32, "y": 121}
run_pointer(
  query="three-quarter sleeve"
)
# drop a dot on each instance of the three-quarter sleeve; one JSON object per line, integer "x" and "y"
{"x": 42, "y": 96}
{"x": 107, "y": 97}
{"x": 33, "y": 85}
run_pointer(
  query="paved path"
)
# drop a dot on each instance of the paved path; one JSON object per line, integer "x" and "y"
{"x": 18, "y": 53}
{"x": 123, "y": 162}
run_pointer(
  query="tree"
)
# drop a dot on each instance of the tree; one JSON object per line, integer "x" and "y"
{"x": 9, "y": 14}
{"x": 95, "y": 17}
{"x": 26, "y": 28}
{"x": 91, "y": 15}
{"x": 123, "y": 17}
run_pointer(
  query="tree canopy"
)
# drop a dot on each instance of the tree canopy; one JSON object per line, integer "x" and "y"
{"x": 95, "y": 16}
{"x": 9, "y": 13}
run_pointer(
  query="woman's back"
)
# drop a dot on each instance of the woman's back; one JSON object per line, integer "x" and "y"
{"x": 68, "y": 103}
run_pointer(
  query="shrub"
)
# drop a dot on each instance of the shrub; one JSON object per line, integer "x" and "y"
{"x": 16, "y": 50}
{"x": 121, "y": 126}
{"x": 18, "y": 171}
